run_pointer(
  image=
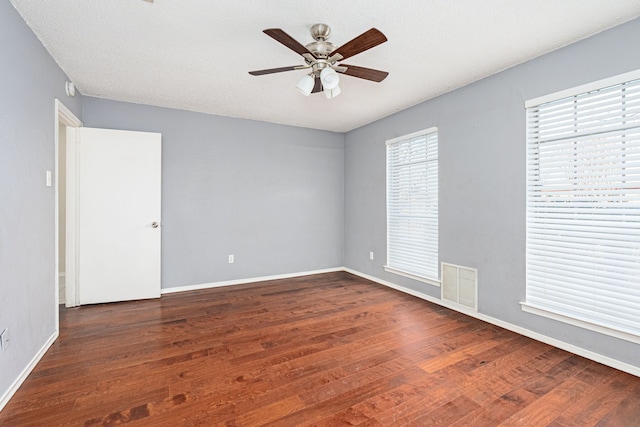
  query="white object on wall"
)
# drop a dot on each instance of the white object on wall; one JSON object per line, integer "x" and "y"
{"x": 460, "y": 285}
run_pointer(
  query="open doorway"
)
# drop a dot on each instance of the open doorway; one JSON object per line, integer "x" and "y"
{"x": 97, "y": 239}
{"x": 62, "y": 209}
{"x": 64, "y": 118}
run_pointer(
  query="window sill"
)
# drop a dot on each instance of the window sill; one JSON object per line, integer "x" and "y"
{"x": 413, "y": 276}
{"x": 550, "y": 314}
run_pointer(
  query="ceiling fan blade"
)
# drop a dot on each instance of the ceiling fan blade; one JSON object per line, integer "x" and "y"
{"x": 276, "y": 70}
{"x": 317, "y": 87}
{"x": 363, "y": 73}
{"x": 280, "y": 36}
{"x": 364, "y": 41}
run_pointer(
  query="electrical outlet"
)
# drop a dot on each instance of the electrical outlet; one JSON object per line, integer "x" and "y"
{"x": 231, "y": 259}
{"x": 4, "y": 339}
{"x": 371, "y": 256}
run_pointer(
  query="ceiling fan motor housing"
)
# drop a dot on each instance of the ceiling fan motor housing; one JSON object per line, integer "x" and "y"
{"x": 321, "y": 48}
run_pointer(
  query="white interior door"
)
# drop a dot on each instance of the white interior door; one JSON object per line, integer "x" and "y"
{"x": 118, "y": 179}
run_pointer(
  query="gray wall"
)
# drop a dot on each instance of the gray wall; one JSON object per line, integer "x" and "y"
{"x": 30, "y": 80}
{"x": 271, "y": 195}
{"x": 482, "y": 179}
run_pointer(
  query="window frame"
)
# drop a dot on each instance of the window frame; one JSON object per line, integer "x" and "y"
{"x": 395, "y": 269}
{"x": 552, "y": 312}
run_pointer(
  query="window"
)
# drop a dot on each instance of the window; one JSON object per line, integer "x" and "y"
{"x": 412, "y": 206}
{"x": 583, "y": 207}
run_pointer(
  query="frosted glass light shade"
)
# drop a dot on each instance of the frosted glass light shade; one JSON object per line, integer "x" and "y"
{"x": 329, "y": 77}
{"x": 305, "y": 85}
{"x": 332, "y": 93}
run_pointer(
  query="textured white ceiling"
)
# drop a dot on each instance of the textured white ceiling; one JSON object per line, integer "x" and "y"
{"x": 196, "y": 54}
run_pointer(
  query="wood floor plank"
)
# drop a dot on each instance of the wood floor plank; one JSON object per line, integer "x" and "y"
{"x": 424, "y": 396}
{"x": 544, "y": 410}
{"x": 447, "y": 414}
{"x": 594, "y": 406}
{"x": 492, "y": 413}
{"x": 323, "y": 350}
{"x": 625, "y": 413}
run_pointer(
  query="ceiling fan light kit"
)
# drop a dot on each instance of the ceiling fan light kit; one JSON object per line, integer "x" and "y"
{"x": 329, "y": 78}
{"x": 332, "y": 93}
{"x": 305, "y": 85}
{"x": 322, "y": 57}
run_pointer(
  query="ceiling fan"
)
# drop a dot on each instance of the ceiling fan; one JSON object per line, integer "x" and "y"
{"x": 322, "y": 58}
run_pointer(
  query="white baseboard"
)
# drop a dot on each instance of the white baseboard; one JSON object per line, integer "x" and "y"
{"x": 243, "y": 281}
{"x": 614, "y": 363}
{"x": 25, "y": 373}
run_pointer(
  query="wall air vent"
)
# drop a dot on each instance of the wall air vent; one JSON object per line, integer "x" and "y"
{"x": 460, "y": 285}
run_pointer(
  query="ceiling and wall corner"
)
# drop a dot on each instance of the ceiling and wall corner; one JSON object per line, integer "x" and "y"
{"x": 195, "y": 55}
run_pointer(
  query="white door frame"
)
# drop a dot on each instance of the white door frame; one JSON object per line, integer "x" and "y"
{"x": 65, "y": 117}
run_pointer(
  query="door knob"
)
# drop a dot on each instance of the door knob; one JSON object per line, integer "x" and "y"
{"x": 155, "y": 224}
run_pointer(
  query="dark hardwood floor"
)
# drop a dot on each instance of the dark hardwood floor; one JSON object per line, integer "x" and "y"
{"x": 325, "y": 350}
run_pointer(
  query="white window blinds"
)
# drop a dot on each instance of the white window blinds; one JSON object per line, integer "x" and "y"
{"x": 412, "y": 205}
{"x": 583, "y": 206}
